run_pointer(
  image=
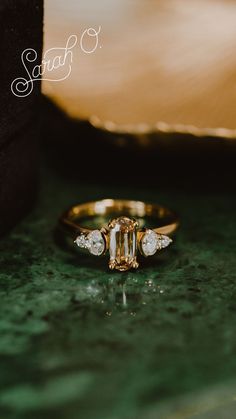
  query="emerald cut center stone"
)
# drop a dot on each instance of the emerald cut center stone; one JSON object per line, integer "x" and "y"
{"x": 123, "y": 244}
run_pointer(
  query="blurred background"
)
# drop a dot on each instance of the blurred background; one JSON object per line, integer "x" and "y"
{"x": 159, "y": 64}
{"x": 162, "y": 78}
{"x": 149, "y": 115}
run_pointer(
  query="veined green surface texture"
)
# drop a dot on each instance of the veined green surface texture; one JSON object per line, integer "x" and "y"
{"x": 78, "y": 341}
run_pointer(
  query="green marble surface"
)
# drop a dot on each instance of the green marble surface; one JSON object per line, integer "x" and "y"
{"x": 77, "y": 341}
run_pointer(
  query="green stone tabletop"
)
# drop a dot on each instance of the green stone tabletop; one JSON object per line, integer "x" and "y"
{"x": 80, "y": 342}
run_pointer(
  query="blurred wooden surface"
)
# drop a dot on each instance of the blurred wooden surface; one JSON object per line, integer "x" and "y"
{"x": 160, "y": 61}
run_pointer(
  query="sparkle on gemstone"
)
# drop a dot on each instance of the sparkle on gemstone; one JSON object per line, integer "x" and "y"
{"x": 164, "y": 241}
{"x": 96, "y": 243}
{"x": 93, "y": 242}
{"x": 123, "y": 244}
{"x": 81, "y": 241}
{"x": 151, "y": 242}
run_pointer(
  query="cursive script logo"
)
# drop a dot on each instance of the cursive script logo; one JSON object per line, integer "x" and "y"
{"x": 59, "y": 59}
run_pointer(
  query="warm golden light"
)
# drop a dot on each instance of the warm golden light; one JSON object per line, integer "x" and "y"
{"x": 168, "y": 62}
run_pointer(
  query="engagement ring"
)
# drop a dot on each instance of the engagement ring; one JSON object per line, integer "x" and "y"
{"x": 128, "y": 232}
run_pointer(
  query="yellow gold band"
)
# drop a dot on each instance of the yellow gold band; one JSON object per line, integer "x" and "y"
{"x": 166, "y": 219}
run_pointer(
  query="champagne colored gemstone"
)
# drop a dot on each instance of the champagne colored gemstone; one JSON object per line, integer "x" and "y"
{"x": 123, "y": 244}
{"x": 81, "y": 241}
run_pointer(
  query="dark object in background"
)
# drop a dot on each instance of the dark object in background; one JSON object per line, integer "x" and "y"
{"x": 177, "y": 161}
{"x": 21, "y": 26}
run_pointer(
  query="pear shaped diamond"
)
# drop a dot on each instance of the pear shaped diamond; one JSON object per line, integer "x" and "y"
{"x": 149, "y": 243}
{"x": 152, "y": 241}
{"x": 94, "y": 242}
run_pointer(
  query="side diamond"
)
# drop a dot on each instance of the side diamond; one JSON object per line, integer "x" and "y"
{"x": 151, "y": 242}
{"x": 94, "y": 242}
{"x": 81, "y": 241}
{"x": 164, "y": 241}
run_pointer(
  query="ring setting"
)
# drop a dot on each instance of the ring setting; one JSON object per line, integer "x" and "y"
{"x": 122, "y": 236}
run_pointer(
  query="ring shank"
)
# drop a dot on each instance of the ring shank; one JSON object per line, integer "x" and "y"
{"x": 166, "y": 220}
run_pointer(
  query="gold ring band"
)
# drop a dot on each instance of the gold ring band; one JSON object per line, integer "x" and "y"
{"x": 123, "y": 235}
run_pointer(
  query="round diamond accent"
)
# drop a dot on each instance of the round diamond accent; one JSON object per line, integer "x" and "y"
{"x": 81, "y": 241}
{"x": 164, "y": 241}
{"x": 95, "y": 243}
{"x": 150, "y": 243}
